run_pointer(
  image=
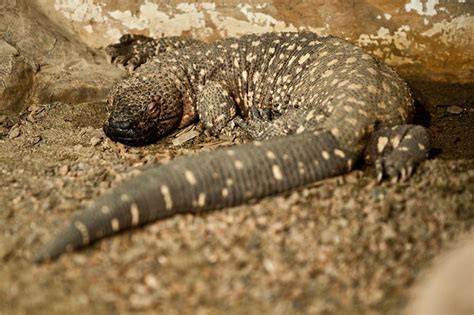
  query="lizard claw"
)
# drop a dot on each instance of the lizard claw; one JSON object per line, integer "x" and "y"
{"x": 130, "y": 68}
{"x": 242, "y": 124}
{"x": 395, "y": 171}
{"x": 120, "y": 66}
{"x": 110, "y": 59}
{"x": 379, "y": 170}
{"x": 406, "y": 171}
{"x": 260, "y": 115}
{"x": 126, "y": 38}
{"x": 118, "y": 60}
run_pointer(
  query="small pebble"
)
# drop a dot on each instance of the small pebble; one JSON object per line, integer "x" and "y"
{"x": 35, "y": 140}
{"x": 151, "y": 281}
{"x": 138, "y": 301}
{"x": 78, "y": 147}
{"x": 95, "y": 141}
{"x": 388, "y": 233}
{"x": 268, "y": 265}
{"x": 456, "y": 110}
{"x": 14, "y": 133}
{"x": 8, "y": 246}
{"x": 64, "y": 170}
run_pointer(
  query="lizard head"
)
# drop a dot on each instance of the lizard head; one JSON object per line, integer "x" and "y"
{"x": 143, "y": 108}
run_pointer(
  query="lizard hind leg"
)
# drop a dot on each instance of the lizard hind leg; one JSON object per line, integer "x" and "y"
{"x": 397, "y": 150}
{"x": 131, "y": 51}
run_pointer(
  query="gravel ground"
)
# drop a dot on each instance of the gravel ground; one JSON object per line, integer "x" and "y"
{"x": 342, "y": 246}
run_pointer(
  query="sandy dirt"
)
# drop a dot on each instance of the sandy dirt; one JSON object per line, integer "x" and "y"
{"x": 342, "y": 246}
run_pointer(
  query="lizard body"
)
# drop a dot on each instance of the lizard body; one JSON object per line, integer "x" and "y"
{"x": 313, "y": 104}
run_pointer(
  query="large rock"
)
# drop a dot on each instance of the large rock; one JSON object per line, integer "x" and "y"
{"x": 419, "y": 38}
{"x": 43, "y": 60}
{"x": 448, "y": 287}
{"x": 16, "y": 79}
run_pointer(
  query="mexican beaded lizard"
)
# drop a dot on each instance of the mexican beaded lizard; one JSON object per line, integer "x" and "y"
{"x": 313, "y": 104}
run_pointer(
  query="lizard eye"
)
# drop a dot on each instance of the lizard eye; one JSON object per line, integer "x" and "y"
{"x": 152, "y": 107}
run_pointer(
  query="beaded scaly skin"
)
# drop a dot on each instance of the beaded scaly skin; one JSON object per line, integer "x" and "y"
{"x": 313, "y": 104}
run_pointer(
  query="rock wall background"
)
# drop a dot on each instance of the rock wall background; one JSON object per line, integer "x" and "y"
{"x": 431, "y": 39}
{"x": 50, "y": 49}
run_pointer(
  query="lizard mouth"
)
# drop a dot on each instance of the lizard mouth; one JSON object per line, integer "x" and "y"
{"x": 131, "y": 136}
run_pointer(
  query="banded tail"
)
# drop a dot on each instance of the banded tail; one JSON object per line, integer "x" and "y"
{"x": 205, "y": 181}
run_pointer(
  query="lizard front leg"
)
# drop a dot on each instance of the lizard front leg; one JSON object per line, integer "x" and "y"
{"x": 215, "y": 107}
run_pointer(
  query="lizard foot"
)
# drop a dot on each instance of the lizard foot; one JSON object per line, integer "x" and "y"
{"x": 396, "y": 151}
{"x": 255, "y": 125}
{"x": 255, "y": 131}
{"x": 131, "y": 51}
